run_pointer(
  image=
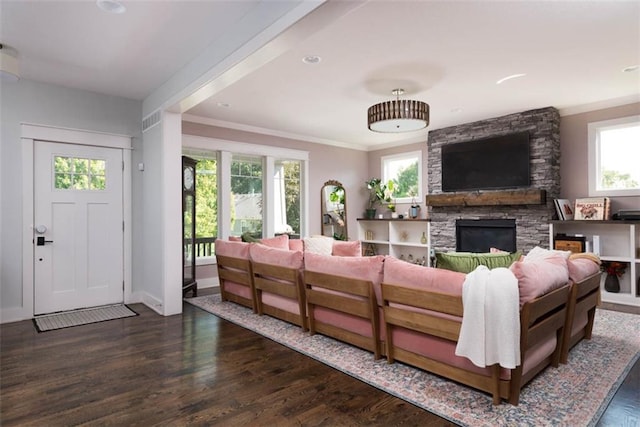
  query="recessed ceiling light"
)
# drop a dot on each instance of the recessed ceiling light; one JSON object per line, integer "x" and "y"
{"x": 111, "y": 6}
{"x": 222, "y": 104}
{"x": 513, "y": 76}
{"x": 311, "y": 59}
{"x": 456, "y": 110}
{"x": 630, "y": 69}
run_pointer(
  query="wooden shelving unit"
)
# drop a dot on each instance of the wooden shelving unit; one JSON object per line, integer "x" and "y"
{"x": 619, "y": 241}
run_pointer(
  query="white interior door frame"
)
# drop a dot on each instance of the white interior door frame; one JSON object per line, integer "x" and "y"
{"x": 31, "y": 133}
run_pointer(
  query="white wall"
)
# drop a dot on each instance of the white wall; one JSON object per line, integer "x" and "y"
{"x": 37, "y": 103}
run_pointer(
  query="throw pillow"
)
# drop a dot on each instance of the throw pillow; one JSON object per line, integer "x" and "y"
{"x": 279, "y": 242}
{"x": 248, "y": 237}
{"x": 342, "y": 248}
{"x": 466, "y": 262}
{"x": 537, "y": 277}
{"x": 539, "y": 253}
{"x": 318, "y": 245}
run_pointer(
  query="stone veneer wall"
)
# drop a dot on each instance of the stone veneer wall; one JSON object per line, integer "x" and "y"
{"x": 531, "y": 220}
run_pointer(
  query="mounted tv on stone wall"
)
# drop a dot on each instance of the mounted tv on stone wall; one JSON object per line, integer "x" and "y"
{"x": 499, "y": 162}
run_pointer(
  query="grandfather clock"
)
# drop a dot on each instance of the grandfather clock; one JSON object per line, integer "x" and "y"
{"x": 189, "y": 226}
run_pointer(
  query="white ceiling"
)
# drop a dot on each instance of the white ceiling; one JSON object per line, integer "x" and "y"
{"x": 446, "y": 53}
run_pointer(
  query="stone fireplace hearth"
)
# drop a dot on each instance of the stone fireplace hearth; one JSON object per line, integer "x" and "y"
{"x": 531, "y": 207}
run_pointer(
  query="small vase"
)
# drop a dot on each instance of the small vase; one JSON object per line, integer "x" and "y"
{"x": 423, "y": 239}
{"x": 370, "y": 213}
{"x": 611, "y": 283}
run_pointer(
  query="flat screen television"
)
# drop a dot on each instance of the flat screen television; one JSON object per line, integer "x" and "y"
{"x": 497, "y": 162}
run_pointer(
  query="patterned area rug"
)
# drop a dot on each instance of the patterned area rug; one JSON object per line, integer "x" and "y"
{"x": 85, "y": 316}
{"x": 575, "y": 394}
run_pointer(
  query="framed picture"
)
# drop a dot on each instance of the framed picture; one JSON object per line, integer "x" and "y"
{"x": 592, "y": 208}
{"x": 564, "y": 209}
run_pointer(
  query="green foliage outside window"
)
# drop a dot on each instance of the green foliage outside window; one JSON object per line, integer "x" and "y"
{"x": 406, "y": 183}
{"x": 206, "y": 198}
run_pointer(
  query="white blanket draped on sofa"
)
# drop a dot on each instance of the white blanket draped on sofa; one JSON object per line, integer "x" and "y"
{"x": 490, "y": 331}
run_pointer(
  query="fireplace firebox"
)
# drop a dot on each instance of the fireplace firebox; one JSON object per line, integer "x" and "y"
{"x": 479, "y": 235}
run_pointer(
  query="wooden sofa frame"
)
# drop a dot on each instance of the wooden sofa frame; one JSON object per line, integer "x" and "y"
{"x": 282, "y": 281}
{"x": 538, "y": 318}
{"x": 584, "y": 296}
{"x": 358, "y": 300}
{"x": 237, "y": 270}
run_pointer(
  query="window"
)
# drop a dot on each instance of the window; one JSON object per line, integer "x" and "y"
{"x": 246, "y": 195}
{"x": 262, "y": 188}
{"x": 614, "y": 150}
{"x": 287, "y": 191}
{"x": 73, "y": 173}
{"x": 405, "y": 170}
{"x": 206, "y": 207}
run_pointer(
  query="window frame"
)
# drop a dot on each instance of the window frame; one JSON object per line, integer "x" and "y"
{"x": 224, "y": 150}
{"x": 400, "y": 156}
{"x": 594, "y": 149}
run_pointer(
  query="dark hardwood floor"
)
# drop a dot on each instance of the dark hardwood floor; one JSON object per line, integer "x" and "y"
{"x": 194, "y": 369}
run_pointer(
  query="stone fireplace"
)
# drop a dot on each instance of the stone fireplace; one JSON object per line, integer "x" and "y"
{"x": 531, "y": 208}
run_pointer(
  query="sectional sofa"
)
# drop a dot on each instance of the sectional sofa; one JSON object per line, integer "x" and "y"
{"x": 412, "y": 313}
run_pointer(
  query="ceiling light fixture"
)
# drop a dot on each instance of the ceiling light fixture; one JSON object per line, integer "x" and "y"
{"x": 513, "y": 76}
{"x": 9, "y": 66}
{"x": 311, "y": 59}
{"x": 398, "y": 116}
{"x": 111, "y": 6}
{"x": 630, "y": 69}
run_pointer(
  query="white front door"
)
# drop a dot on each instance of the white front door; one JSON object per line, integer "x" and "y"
{"x": 78, "y": 226}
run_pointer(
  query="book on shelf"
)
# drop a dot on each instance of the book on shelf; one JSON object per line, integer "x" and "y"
{"x": 592, "y": 208}
{"x": 564, "y": 209}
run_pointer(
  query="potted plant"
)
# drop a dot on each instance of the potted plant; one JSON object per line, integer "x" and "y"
{"x": 378, "y": 193}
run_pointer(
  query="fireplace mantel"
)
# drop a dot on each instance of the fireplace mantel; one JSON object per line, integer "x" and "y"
{"x": 489, "y": 198}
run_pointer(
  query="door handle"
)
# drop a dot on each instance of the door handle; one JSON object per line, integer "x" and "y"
{"x": 40, "y": 241}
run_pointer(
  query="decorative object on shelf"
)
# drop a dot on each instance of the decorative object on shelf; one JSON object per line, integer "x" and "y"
{"x": 564, "y": 209}
{"x": 378, "y": 193}
{"x": 368, "y": 235}
{"x": 614, "y": 270}
{"x": 592, "y": 208}
{"x": 370, "y": 250}
{"x": 398, "y": 116}
{"x": 404, "y": 236}
{"x": 423, "y": 239}
{"x": 575, "y": 244}
{"x": 415, "y": 208}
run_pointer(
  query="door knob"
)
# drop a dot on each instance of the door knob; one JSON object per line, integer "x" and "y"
{"x": 40, "y": 241}
{"x": 41, "y": 229}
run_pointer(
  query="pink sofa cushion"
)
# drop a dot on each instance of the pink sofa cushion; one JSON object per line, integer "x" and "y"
{"x": 296, "y": 245}
{"x": 397, "y": 272}
{"x": 352, "y": 248}
{"x": 346, "y": 321}
{"x": 280, "y": 242}
{"x": 444, "y": 351}
{"x": 537, "y": 277}
{"x": 278, "y": 301}
{"x": 238, "y": 289}
{"x": 365, "y": 268}
{"x": 581, "y": 268}
{"x": 275, "y": 256}
{"x": 232, "y": 249}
